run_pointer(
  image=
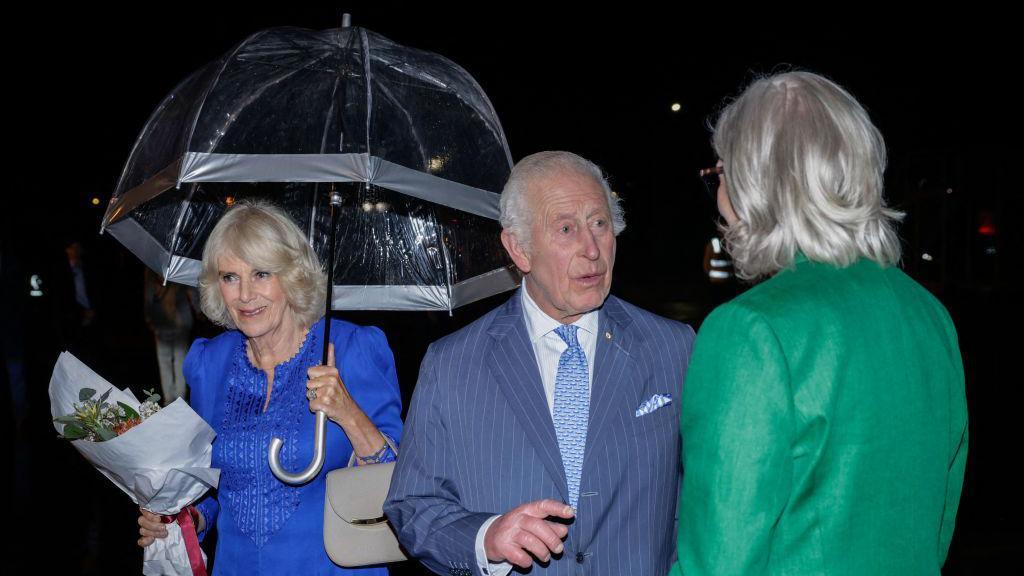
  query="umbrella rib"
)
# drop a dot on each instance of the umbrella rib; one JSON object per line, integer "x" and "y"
{"x": 316, "y": 196}
{"x": 187, "y": 201}
{"x": 327, "y": 118}
{"x": 412, "y": 125}
{"x": 172, "y": 245}
{"x": 251, "y": 98}
{"x": 369, "y": 83}
{"x": 209, "y": 89}
{"x": 449, "y": 266}
{"x": 486, "y": 118}
{"x": 138, "y": 140}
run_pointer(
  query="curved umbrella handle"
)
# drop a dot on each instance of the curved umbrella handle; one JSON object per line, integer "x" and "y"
{"x": 319, "y": 455}
{"x": 320, "y": 432}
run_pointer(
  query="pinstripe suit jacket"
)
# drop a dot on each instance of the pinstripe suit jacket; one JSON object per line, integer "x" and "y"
{"x": 479, "y": 441}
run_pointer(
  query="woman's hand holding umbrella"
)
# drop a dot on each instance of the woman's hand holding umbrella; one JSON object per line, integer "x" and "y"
{"x": 327, "y": 393}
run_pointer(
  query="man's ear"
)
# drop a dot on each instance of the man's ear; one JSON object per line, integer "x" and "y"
{"x": 516, "y": 250}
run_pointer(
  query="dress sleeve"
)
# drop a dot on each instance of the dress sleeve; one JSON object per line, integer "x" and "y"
{"x": 194, "y": 370}
{"x": 368, "y": 370}
{"x": 201, "y": 400}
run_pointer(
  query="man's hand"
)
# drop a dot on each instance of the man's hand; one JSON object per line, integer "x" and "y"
{"x": 524, "y": 530}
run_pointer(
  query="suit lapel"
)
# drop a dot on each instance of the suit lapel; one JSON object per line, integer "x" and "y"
{"x": 514, "y": 367}
{"x": 614, "y": 370}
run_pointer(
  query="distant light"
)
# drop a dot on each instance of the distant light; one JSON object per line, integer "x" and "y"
{"x": 37, "y": 286}
{"x": 230, "y": 200}
{"x": 676, "y": 107}
{"x": 926, "y": 257}
{"x": 719, "y": 275}
{"x": 990, "y": 251}
{"x": 367, "y": 206}
{"x": 382, "y": 207}
{"x": 949, "y": 190}
{"x": 95, "y": 201}
{"x": 436, "y": 164}
{"x": 987, "y": 225}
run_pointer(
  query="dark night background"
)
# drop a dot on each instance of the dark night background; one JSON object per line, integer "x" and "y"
{"x": 942, "y": 88}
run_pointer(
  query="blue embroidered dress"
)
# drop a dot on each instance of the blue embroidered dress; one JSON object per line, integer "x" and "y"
{"x": 265, "y": 526}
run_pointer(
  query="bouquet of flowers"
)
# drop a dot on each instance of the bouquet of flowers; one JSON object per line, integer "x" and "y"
{"x": 159, "y": 457}
{"x": 96, "y": 420}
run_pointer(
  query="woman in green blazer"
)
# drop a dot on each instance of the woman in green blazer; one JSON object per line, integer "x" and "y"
{"x": 824, "y": 422}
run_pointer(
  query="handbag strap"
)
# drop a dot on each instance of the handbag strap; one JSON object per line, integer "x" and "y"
{"x": 387, "y": 440}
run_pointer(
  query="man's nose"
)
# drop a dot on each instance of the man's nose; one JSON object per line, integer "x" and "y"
{"x": 590, "y": 249}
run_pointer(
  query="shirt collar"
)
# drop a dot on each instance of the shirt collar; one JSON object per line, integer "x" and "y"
{"x": 539, "y": 324}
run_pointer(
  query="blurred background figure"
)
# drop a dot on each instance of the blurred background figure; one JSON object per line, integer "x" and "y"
{"x": 13, "y": 287}
{"x": 75, "y": 304}
{"x": 86, "y": 310}
{"x": 168, "y": 309}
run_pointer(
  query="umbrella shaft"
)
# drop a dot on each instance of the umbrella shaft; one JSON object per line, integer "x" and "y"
{"x": 335, "y": 202}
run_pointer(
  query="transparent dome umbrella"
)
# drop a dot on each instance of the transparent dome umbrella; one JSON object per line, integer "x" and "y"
{"x": 389, "y": 158}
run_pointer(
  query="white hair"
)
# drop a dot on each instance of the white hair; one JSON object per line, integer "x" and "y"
{"x": 264, "y": 237}
{"x": 517, "y": 216}
{"x": 803, "y": 170}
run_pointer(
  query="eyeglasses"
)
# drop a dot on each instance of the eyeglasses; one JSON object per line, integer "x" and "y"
{"x": 711, "y": 178}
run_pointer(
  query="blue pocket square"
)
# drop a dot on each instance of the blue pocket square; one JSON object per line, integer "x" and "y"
{"x": 653, "y": 403}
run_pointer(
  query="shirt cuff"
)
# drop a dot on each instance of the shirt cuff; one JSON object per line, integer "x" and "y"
{"x": 486, "y": 567}
{"x": 208, "y": 510}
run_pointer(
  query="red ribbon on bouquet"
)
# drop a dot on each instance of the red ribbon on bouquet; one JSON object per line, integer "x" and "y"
{"x": 188, "y": 532}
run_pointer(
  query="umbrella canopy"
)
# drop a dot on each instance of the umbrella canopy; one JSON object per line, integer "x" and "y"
{"x": 407, "y": 137}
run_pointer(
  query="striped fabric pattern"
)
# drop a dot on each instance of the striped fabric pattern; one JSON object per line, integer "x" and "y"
{"x": 480, "y": 440}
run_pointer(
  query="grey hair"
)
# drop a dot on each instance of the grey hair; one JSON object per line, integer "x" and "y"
{"x": 516, "y": 215}
{"x": 263, "y": 236}
{"x": 803, "y": 170}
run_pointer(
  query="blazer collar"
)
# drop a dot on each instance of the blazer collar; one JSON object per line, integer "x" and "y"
{"x": 514, "y": 367}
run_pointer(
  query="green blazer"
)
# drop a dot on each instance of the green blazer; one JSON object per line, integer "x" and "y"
{"x": 824, "y": 428}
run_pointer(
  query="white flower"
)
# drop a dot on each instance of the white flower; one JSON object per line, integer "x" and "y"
{"x": 147, "y": 409}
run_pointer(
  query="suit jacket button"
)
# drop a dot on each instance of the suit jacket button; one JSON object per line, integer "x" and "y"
{"x": 580, "y": 557}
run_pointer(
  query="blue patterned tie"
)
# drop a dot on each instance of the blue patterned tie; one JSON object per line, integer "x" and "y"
{"x": 572, "y": 408}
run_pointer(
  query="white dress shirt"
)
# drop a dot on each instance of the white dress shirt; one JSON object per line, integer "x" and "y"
{"x": 547, "y": 349}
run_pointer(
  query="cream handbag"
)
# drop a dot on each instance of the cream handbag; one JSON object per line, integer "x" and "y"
{"x": 356, "y": 532}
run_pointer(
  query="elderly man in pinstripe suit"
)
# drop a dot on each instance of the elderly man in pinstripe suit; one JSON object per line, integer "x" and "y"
{"x": 544, "y": 435}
